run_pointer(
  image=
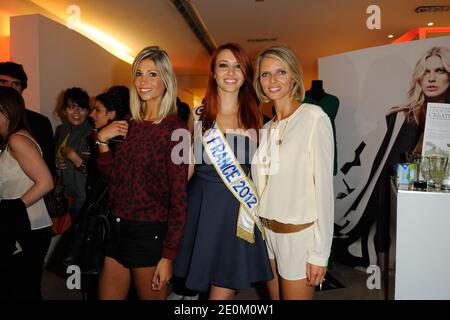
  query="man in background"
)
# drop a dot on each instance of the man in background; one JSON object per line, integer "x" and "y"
{"x": 12, "y": 75}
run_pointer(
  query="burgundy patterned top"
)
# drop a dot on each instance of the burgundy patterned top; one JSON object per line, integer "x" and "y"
{"x": 145, "y": 185}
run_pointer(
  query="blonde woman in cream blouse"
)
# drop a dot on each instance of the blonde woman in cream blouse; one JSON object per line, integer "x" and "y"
{"x": 293, "y": 170}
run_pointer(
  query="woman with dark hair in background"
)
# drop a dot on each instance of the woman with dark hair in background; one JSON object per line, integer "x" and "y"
{"x": 106, "y": 109}
{"x": 72, "y": 149}
{"x": 25, "y": 231}
{"x": 122, "y": 94}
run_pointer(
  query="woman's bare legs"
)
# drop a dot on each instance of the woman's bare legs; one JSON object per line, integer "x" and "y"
{"x": 142, "y": 279}
{"x": 280, "y": 288}
{"x": 296, "y": 289}
{"x": 114, "y": 281}
{"x": 273, "y": 286}
{"x": 219, "y": 293}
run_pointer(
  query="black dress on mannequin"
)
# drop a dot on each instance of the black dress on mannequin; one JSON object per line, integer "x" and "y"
{"x": 330, "y": 105}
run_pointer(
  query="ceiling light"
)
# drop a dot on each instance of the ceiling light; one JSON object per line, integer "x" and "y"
{"x": 106, "y": 41}
{"x": 430, "y": 24}
{"x": 432, "y": 9}
{"x": 390, "y": 36}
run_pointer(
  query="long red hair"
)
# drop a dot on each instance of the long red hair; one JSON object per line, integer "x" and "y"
{"x": 249, "y": 115}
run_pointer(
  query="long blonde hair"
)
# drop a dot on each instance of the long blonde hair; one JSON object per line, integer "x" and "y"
{"x": 415, "y": 107}
{"x": 168, "y": 102}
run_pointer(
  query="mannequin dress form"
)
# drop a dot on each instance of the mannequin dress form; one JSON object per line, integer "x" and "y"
{"x": 329, "y": 104}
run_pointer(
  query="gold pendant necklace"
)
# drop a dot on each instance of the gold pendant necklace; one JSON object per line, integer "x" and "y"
{"x": 280, "y": 138}
{"x": 267, "y": 158}
{"x": 278, "y": 142}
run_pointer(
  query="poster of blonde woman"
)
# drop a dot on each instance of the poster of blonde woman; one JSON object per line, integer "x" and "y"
{"x": 384, "y": 102}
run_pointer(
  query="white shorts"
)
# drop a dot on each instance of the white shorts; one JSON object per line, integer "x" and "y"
{"x": 290, "y": 251}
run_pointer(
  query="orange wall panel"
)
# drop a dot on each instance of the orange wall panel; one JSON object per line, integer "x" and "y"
{"x": 4, "y": 48}
{"x": 4, "y": 36}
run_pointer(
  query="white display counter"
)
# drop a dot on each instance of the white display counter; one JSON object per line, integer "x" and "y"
{"x": 422, "y": 244}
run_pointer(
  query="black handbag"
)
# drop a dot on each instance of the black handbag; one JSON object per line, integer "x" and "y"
{"x": 87, "y": 246}
{"x": 56, "y": 200}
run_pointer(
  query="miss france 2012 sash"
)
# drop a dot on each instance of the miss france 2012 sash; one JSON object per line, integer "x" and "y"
{"x": 233, "y": 176}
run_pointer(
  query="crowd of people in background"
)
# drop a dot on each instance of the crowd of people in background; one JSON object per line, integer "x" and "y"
{"x": 218, "y": 222}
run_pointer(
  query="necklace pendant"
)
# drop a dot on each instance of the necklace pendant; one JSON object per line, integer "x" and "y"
{"x": 278, "y": 142}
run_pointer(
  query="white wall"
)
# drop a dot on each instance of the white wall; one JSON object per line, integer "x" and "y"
{"x": 56, "y": 58}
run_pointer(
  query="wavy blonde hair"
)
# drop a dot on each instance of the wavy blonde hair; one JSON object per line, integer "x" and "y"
{"x": 416, "y": 105}
{"x": 168, "y": 102}
{"x": 286, "y": 56}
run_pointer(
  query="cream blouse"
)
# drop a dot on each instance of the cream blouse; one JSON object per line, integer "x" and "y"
{"x": 14, "y": 183}
{"x": 294, "y": 178}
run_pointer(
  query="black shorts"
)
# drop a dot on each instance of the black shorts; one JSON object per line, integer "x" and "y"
{"x": 136, "y": 244}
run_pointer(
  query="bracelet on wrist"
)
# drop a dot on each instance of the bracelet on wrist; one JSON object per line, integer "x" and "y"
{"x": 100, "y": 142}
{"x": 82, "y": 167}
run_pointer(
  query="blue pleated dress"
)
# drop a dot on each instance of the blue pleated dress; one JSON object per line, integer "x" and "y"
{"x": 211, "y": 253}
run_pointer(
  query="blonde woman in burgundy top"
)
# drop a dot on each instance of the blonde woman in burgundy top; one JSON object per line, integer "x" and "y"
{"x": 147, "y": 189}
